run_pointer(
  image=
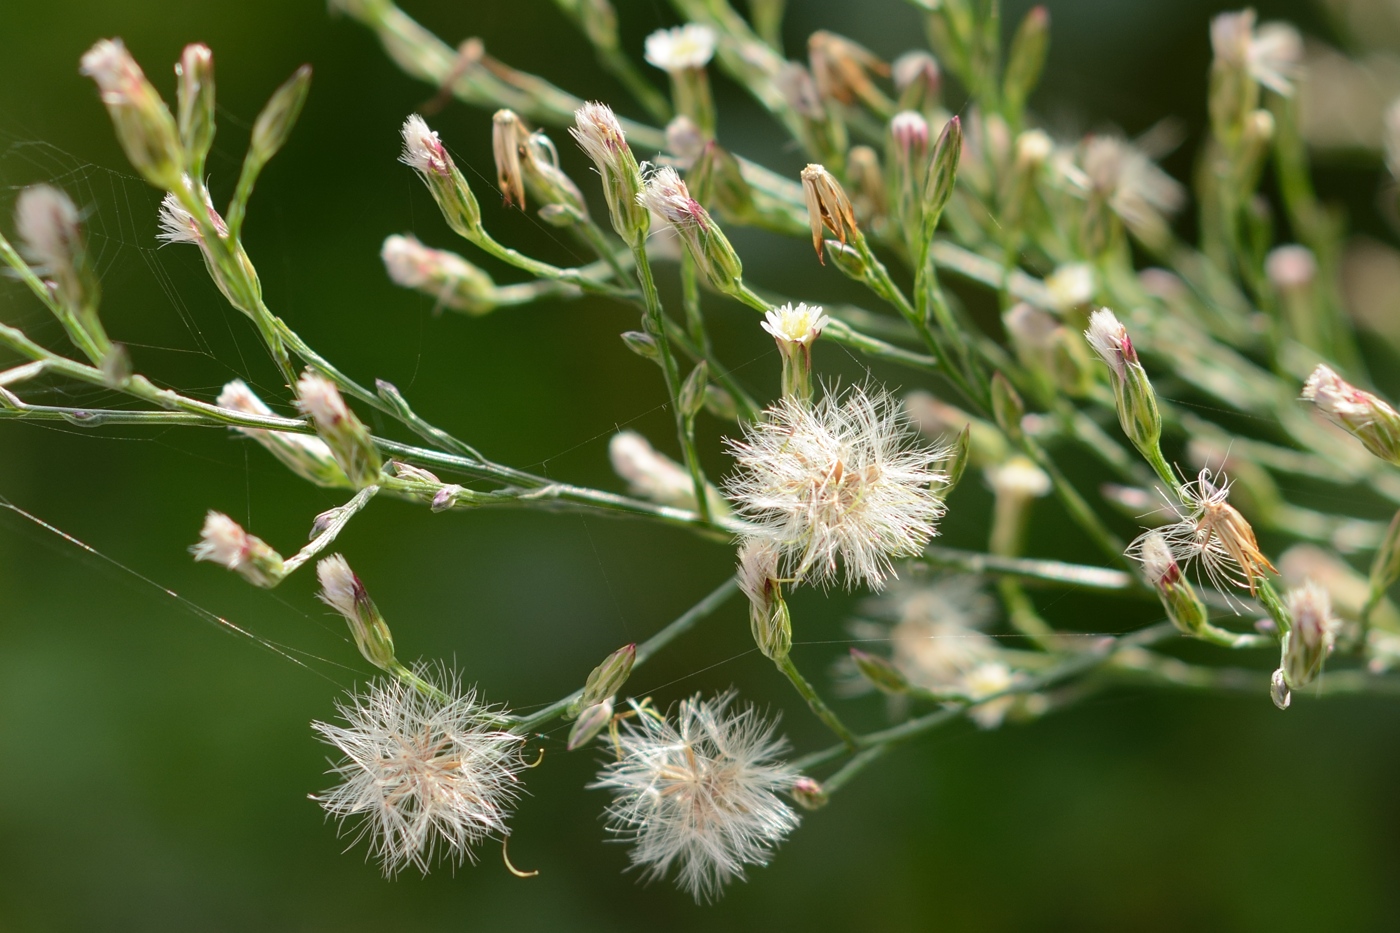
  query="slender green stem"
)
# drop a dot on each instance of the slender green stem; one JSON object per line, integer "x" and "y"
{"x": 337, "y": 522}
{"x": 687, "y": 620}
{"x": 818, "y": 705}
{"x": 1048, "y": 571}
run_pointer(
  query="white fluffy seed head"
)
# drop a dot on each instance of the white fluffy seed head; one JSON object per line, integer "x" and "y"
{"x": 422, "y": 150}
{"x": 842, "y": 481}
{"x": 699, "y": 793}
{"x": 177, "y": 225}
{"x": 681, "y": 48}
{"x": 800, "y": 324}
{"x": 426, "y": 774}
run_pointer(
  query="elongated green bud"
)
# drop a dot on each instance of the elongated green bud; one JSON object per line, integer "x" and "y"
{"x": 1133, "y": 394}
{"x": 958, "y": 457}
{"x": 942, "y": 173}
{"x": 644, "y": 345}
{"x": 279, "y": 115}
{"x": 769, "y": 620}
{"x": 194, "y": 93}
{"x": 1026, "y": 59}
{"x": 589, "y": 723}
{"x": 600, "y": 136}
{"x": 605, "y": 680}
{"x": 1367, "y": 417}
{"x": 691, "y": 397}
{"x": 1007, "y": 407}
{"x": 342, "y": 590}
{"x": 809, "y": 794}
{"x": 881, "y": 673}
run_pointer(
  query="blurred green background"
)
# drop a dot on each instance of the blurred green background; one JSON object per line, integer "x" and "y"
{"x": 157, "y": 767}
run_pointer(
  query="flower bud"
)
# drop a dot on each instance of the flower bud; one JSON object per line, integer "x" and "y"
{"x": 795, "y": 329}
{"x": 607, "y": 678}
{"x": 547, "y": 183}
{"x": 346, "y": 436}
{"x": 644, "y": 345}
{"x": 867, "y": 180}
{"x": 908, "y": 160}
{"x": 880, "y": 672}
{"x": 1007, "y": 407}
{"x": 223, "y": 541}
{"x": 917, "y": 79}
{"x": 650, "y": 475}
{"x": 769, "y": 620}
{"x": 51, "y": 238}
{"x": 507, "y": 139}
{"x": 444, "y": 276}
{"x": 274, "y": 124}
{"x": 1184, "y": 608}
{"x": 143, "y": 122}
{"x": 828, "y": 207}
{"x": 589, "y": 723}
{"x": 425, "y": 153}
{"x": 808, "y": 794}
{"x": 958, "y": 456}
{"x": 600, "y": 136}
{"x": 1132, "y": 391}
{"x": 668, "y": 197}
{"x": 718, "y": 182}
{"x": 343, "y": 592}
{"x": 1026, "y": 58}
{"x": 306, "y": 456}
{"x": 846, "y": 259}
{"x": 691, "y": 397}
{"x": 942, "y": 173}
{"x": 194, "y": 94}
{"x": 1366, "y": 417}
{"x": 1314, "y": 632}
{"x": 721, "y": 404}
{"x": 683, "y": 53}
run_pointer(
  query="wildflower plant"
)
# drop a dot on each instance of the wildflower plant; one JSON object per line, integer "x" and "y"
{"x": 927, "y": 181}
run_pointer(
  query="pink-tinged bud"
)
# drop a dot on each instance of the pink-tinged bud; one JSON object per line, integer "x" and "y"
{"x": 424, "y": 152}
{"x": 224, "y": 542}
{"x": 194, "y": 92}
{"x": 909, "y": 130}
{"x": 1312, "y": 636}
{"x": 444, "y": 276}
{"x": 347, "y": 437}
{"x": 769, "y": 620}
{"x": 1366, "y": 417}
{"x": 1159, "y": 566}
{"x": 51, "y": 238}
{"x": 600, "y": 136}
{"x": 917, "y": 79}
{"x": 684, "y": 141}
{"x": 1133, "y": 394}
{"x": 665, "y": 195}
{"x": 144, "y": 124}
{"x": 309, "y": 457}
{"x": 589, "y": 723}
{"x": 809, "y": 794}
{"x": 342, "y": 590}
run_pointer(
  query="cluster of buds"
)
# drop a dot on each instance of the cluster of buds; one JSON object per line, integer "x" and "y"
{"x": 424, "y": 152}
{"x": 342, "y": 590}
{"x": 795, "y": 329}
{"x": 1133, "y": 395}
{"x": 665, "y": 195}
{"x": 594, "y": 707}
{"x": 600, "y": 136}
{"x": 224, "y": 542}
{"x": 345, "y": 434}
{"x": 683, "y": 53}
{"x": 1362, "y": 415}
{"x": 759, "y": 580}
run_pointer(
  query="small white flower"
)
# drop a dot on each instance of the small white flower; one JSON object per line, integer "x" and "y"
{"x": 688, "y": 46}
{"x": 1072, "y": 285}
{"x": 700, "y": 794}
{"x": 429, "y": 774}
{"x": 422, "y": 150}
{"x": 985, "y": 680}
{"x": 802, "y": 324}
{"x": 844, "y": 478}
{"x": 598, "y": 133}
{"x": 1271, "y": 53}
{"x": 223, "y": 541}
{"x": 649, "y": 474}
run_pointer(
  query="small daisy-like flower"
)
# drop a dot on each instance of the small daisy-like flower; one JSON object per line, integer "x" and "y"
{"x": 423, "y": 150}
{"x": 699, "y": 793}
{"x": 429, "y": 774}
{"x": 801, "y": 324}
{"x": 1271, "y": 53}
{"x": 1211, "y": 530}
{"x": 688, "y": 46}
{"x": 844, "y": 478}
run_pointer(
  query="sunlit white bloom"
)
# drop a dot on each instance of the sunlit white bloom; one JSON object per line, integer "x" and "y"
{"x": 1018, "y": 478}
{"x": 422, "y": 149}
{"x": 688, "y": 46}
{"x": 1211, "y": 531}
{"x": 223, "y": 541}
{"x": 843, "y": 479}
{"x": 699, "y": 793}
{"x": 1271, "y": 53}
{"x": 801, "y": 324}
{"x": 428, "y": 774}
{"x": 649, "y": 474}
